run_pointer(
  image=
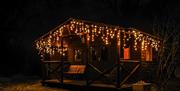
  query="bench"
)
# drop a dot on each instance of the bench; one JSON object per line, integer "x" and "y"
{"x": 76, "y": 69}
{"x": 75, "y": 72}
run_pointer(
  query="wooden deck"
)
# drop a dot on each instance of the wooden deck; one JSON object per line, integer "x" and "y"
{"x": 81, "y": 84}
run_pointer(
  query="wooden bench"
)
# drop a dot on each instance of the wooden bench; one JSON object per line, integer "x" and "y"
{"x": 75, "y": 72}
{"x": 76, "y": 69}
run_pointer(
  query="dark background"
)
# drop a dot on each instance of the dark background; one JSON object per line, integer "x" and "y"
{"x": 23, "y": 21}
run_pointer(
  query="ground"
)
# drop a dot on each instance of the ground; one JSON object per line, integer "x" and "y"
{"x": 22, "y": 83}
{"x": 35, "y": 86}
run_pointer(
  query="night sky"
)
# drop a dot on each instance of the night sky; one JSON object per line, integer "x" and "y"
{"x": 23, "y": 21}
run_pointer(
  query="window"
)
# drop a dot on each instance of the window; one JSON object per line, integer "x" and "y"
{"x": 126, "y": 53}
{"x": 146, "y": 55}
{"x": 77, "y": 55}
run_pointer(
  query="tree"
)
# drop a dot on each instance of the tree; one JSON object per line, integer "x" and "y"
{"x": 167, "y": 30}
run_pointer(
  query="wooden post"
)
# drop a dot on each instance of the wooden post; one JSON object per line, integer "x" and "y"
{"x": 87, "y": 63}
{"x": 44, "y": 73}
{"x": 118, "y": 64}
{"x": 44, "y": 69}
{"x": 118, "y": 68}
{"x": 62, "y": 63}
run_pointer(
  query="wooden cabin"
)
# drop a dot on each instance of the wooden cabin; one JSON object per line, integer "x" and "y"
{"x": 97, "y": 50}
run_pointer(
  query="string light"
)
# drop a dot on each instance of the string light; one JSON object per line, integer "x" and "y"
{"x": 89, "y": 32}
{"x": 118, "y": 38}
{"x": 142, "y": 45}
{"x": 135, "y": 40}
{"x": 124, "y": 39}
{"x": 145, "y": 44}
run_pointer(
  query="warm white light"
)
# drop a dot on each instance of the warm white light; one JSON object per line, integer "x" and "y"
{"x": 93, "y": 31}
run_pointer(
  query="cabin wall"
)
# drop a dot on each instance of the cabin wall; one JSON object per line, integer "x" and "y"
{"x": 77, "y": 52}
{"x": 99, "y": 52}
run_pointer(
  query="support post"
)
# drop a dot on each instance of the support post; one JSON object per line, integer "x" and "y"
{"x": 117, "y": 61}
{"x": 87, "y": 63}
{"x": 44, "y": 70}
{"x": 118, "y": 69}
{"x": 62, "y": 64}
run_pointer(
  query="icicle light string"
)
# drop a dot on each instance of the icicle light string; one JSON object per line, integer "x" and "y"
{"x": 51, "y": 43}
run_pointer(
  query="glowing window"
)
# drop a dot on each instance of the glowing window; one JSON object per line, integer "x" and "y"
{"x": 146, "y": 55}
{"x": 126, "y": 53}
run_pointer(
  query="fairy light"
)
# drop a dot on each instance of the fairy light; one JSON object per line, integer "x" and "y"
{"x": 95, "y": 30}
{"x": 135, "y": 40}
{"x": 142, "y": 45}
{"x": 107, "y": 32}
{"x": 89, "y": 32}
{"x": 118, "y": 38}
{"x": 106, "y": 41}
{"x": 111, "y": 34}
{"x": 88, "y": 37}
{"x": 129, "y": 36}
{"x": 99, "y": 32}
{"x": 145, "y": 44}
{"x": 156, "y": 47}
{"x": 93, "y": 38}
{"x": 124, "y": 39}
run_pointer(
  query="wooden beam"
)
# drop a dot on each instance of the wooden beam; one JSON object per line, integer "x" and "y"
{"x": 103, "y": 73}
{"x": 127, "y": 77}
{"x": 96, "y": 69}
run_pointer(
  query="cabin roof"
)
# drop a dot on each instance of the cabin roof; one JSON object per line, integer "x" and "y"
{"x": 94, "y": 23}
